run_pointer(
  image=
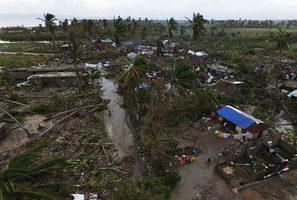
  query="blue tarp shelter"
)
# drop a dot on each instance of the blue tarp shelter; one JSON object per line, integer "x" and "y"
{"x": 235, "y": 117}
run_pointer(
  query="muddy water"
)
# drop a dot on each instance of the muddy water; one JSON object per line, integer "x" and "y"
{"x": 118, "y": 125}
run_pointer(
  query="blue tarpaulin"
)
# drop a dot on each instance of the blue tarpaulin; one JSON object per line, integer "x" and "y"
{"x": 142, "y": 86}
{"x": 235, "y": 117}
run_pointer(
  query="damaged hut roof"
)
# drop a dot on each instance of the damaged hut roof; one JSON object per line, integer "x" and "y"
{"x": 279, "y": 187}
{"x": 107, "y": 40}
{"x": 243, "y": 120}
{"x": 220, "y": 68}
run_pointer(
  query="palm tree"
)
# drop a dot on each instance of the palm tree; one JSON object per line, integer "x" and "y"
{"x": 49, "y": 21}
{"x": 197, "y": 25}
{"x": 135, "y": 26}
{"x": 75, "y": 45}
{"x": 159, "y": 45}
{"x": 133, "y": 76}
{"x": 181, "y": 77}
{"x": 184, "y": 76}
{"x": 182, "y": 31}
{"x": 281, "y": 46}
{"x": 143, "y": 32}
{"x": 65, "y": 25}
{"x": 118, "y": 30}
{"x": 26, "y": 177}
{"x": 171, "y": 26}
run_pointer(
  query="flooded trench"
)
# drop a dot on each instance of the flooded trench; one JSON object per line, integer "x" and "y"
{"x": 118, "y": 125}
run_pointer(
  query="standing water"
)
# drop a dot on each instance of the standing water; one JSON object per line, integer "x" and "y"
{"x": 118, "y": 125}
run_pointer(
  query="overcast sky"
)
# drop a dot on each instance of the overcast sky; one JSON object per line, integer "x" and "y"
{"x": 157, "y": 9}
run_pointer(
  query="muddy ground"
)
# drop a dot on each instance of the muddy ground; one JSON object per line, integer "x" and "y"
{"x": 199, "y": 180}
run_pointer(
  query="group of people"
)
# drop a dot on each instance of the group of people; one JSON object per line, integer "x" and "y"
{"x": 185, "y": 159}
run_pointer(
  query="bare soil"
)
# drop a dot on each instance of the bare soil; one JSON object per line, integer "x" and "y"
{"x": 18, "y": 138}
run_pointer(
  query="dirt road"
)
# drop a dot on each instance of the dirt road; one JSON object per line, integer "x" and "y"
{"x": 198, "y": 180}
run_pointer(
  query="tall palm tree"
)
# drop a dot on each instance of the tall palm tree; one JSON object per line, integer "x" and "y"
{"x": 182, "y": 31}
{"x": 135, "y": 26}
{"x": 171, "y": 26}
{"x": 197, "y": 25}
{"x": 159, "y": 45}
{"x": 49, "y": 21}
{"x": 65, "y": 27}
{"x": 26, "y": 177}
{"x": 118, "y": 30}
{"x": 143, "y": 33}
{"x": 75, "y": 50}
{"x": 281, "y": 46}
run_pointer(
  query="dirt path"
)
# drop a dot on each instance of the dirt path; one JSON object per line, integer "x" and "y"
{"x": 198, "y": 180}
{"x": 118, "y": 126}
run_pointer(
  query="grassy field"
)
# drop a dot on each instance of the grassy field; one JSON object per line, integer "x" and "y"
{"x": 28, "y": 47}
{"x": 20, "y": 60}
{"x": 258, "y": 30}
{"x": 16, "y": 46}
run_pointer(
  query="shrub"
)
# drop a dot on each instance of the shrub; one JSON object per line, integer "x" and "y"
{"x": 142, "y": 189}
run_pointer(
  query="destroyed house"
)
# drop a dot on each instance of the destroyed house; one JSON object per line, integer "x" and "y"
{"x": 217, "y": 69}
{"x": 242, "y": 122}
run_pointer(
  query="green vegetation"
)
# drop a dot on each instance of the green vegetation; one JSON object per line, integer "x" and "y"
{"x": 30, "y": 47}
{"x": 146, "y": 188}
{"x": 20, "y": 60}
{"x": 29, "y": 176}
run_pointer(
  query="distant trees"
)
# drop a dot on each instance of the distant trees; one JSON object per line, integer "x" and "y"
{"x": 197, "y": 25}
{"x": 49, "y": 21}
{"x": 171, "y": 26}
